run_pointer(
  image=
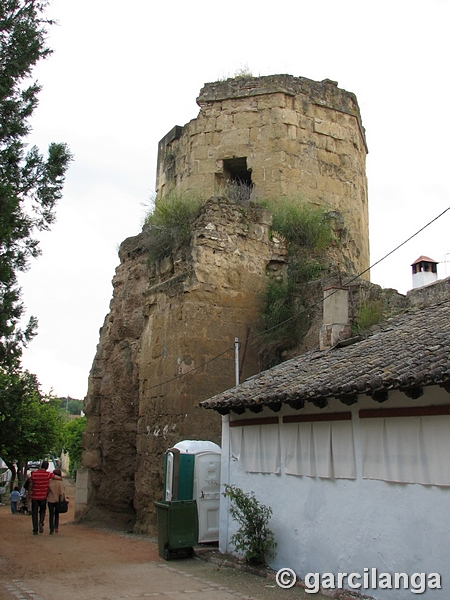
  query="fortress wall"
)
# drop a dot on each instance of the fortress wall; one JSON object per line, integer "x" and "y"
{"x": 206, "y": 300}
{"x": 299, "y": 138}
{"x": 168, "y": 319}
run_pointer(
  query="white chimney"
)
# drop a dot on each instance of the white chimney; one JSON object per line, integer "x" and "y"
{"x": 424, "y": 271}
{"x": 335, "y": 325}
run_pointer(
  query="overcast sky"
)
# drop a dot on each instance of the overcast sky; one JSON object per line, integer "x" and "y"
{"x": 122, "y": 75}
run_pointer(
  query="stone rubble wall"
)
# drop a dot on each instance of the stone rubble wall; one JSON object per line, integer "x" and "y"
{"x": 166, "y": 322}
{"x": 111, "y": 404}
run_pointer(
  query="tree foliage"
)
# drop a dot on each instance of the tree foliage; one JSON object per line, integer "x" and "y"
{"x": 70, "y": 406}
{"x": 30, "y": 425}
{"x": 73, "y": 435}
{"x": 30, "y": 185}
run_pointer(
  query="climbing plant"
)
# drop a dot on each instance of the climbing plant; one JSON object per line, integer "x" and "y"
{"x": 308, "y": 233}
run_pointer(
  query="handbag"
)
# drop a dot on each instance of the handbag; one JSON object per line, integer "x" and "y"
{"x": 62, "y": 505}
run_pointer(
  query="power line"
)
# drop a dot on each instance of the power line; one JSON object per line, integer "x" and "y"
{"x": 307, "y": 308}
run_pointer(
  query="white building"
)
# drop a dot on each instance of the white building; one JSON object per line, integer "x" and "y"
{"x": 350, "y": 447}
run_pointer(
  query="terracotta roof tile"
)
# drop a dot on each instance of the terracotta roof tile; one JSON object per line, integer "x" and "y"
{"x": 408, "y": 351}
{"x": 424, "y": 259}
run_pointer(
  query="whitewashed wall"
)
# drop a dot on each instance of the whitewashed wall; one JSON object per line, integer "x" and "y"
{"x": 346, "y": 525}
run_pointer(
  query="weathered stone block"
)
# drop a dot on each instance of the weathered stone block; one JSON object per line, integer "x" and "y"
{"x": 332, "y": 129}
{"x": 271, "y": 101}
{"x": 247, "y": 120}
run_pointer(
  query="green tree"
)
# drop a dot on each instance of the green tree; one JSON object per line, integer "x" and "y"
{"x": 70, "y": 406}
{"x": 30, "y": 424}
{"x": 73, "y": 435}
{"x": 30, "y": 185}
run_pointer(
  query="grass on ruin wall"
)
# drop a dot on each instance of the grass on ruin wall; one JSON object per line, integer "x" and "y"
{"x": 170, "y": 222}
{"x": 304, "y": 226}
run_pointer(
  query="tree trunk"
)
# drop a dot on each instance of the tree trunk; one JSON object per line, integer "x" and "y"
{"x": 12, "y": 467}
{"x": 21, "y": 472}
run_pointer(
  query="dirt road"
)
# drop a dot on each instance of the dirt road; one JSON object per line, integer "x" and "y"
{"x": 84, "y": 563}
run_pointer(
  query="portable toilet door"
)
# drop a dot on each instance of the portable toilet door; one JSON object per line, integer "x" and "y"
{"x": 205, "y": 480}
{"x": 170, "y": 466}
{"x": 178, "y": 475}
{"x": 207, "y": 494}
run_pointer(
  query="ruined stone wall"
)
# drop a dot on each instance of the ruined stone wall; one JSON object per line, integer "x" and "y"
{"x": 298, "y": 138}
{"x": 111, "y": 405}
{"x": 430, "y": 294}
{"x": 167, "y": 344}
{"x": 168, "y": 341}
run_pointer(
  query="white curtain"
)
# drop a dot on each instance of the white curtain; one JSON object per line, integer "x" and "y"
{"x": 407, "y": 449}
{"x": 257, "y": 447}
{"x": 320, "y": 449}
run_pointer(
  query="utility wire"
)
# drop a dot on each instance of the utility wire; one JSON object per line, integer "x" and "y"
{"x": 307, "y": 308}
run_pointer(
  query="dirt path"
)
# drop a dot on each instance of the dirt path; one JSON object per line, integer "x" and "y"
{"x": 84, "y": 563}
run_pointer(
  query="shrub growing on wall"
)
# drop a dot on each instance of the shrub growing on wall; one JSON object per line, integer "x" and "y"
{"x": 308, "y": 232}
{"x": 170, "y": 222}
{"x": 302, "y": 225}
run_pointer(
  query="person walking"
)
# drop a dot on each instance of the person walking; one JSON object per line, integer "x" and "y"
{"x": 56, "y": 492}
{"x": 14, "y": 498}
{"x": 39, "y": 480}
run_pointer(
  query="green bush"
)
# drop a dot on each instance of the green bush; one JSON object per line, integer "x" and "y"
{"x": 280, "y": 321}
{"x": 308, "y": 232}
{"x": 73, "y": 436}
{"x": 370, "y": 313}
{"x": 253, "y": 538}
{"x": 301, "y": 224}
{"x": 170, "y": 222}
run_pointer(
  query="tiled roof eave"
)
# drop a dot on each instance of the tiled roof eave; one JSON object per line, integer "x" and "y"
{"x": 371, "y": 388}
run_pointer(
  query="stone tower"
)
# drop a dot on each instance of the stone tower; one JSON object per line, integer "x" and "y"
{"x": 168, "y": 340}
{"x": 284, "y": 136}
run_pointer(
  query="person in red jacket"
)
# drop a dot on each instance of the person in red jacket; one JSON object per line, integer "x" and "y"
{"x": 39, "y": 488}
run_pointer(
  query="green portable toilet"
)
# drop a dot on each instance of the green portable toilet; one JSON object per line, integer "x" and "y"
{"x": 192, "y": 472}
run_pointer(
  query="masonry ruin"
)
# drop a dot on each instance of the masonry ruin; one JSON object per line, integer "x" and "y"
{"x": 168, "y": 340}
{"x": 284, "y": 135}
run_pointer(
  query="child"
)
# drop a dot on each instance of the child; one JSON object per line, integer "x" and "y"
{"x": 14, "y": 497}
{"x": 23, "y": 506}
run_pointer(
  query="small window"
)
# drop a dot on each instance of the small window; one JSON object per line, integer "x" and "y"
{"x": 235, "y": 170}
{"x": 235, "y": 180}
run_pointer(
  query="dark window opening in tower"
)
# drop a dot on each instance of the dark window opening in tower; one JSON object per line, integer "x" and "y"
{"x": 238, "y": 179}
{"x": 235, "y": 170}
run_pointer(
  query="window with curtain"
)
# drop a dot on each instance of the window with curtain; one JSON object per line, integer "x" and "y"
{"x": 257, "y": 448}
{"x": 320, "y": 449}
{"x": 409, "y": 449}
